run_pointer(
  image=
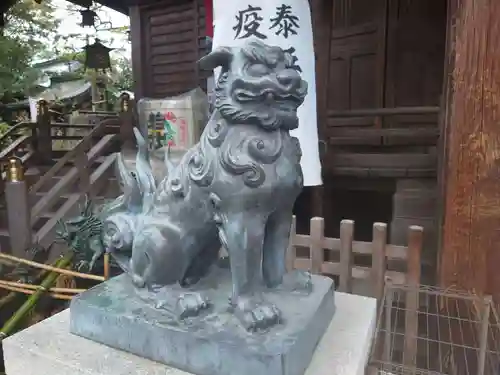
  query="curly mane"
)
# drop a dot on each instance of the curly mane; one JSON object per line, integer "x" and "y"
{"x": 257, "y": 88}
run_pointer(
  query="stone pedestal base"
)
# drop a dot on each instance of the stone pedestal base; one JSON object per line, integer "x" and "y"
{"x": 116, "y": 314}
{"x": 49, "y": 348}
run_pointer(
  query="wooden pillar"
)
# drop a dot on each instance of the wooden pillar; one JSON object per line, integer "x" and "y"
{"x": 445, "y": 117}
{"x": 126, "y": 122}
{"x": 321, "y": 13}
{"x": 470, "y": 254}
{"x": 137, "y": 37}
{"x": 44, "y": 138}
{"x": 18, "y": 208}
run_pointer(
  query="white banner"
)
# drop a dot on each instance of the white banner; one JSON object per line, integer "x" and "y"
{"x": 287, "y": 24}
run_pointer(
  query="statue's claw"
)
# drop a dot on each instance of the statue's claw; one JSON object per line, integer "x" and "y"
{"x": 181, "y": 303}
{"x": 297, "y": 281}
{"x": 94, "y": 259}
{"x": 138, "y": 281}
{"x": 256, "y": 315}
{"x": 83, "y": 265}
{"x": 191, "y": 304}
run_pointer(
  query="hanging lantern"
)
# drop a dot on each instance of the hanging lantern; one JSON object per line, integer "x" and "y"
{"x": 88, "y": 17}
{"x": 83, "y": 3}
{"x": 97, "y": 56}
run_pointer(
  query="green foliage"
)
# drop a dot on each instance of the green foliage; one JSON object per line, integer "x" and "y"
{"x": 31, "y": 32}
{"x": 6, "y": 141}
{"x": 4, "y": 128}
{"x": 28, "y": 27}
{"x": 122, "y": 79}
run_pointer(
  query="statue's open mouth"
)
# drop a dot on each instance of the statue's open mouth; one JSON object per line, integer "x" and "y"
{"x": 270, "y": 96}
{"x": 285, "y": 105}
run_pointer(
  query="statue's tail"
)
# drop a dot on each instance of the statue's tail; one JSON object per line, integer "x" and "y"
{"x": 137, "y": 184}
{"x": 144, "y": 173}
{"x": 131, "y": 198}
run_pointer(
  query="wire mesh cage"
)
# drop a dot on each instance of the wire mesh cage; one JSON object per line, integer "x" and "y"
{"x": 427, "y": 330}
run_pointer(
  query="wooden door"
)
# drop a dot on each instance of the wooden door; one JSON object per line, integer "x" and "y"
{"x": 415, "y": 59}
{"x": 354, "y": 79}
{"x": 357, "y": 59}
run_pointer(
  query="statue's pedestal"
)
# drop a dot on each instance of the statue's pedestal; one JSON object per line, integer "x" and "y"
{"x": 117, "y": 314}
{"x": 49, "y": 348}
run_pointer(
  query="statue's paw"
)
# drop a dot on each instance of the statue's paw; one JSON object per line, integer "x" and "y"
{"x": 256, "y": 315}
{"x": 138, "y": 281}
{"x": 191, "y": 304}
{"x": 297, "y": 281}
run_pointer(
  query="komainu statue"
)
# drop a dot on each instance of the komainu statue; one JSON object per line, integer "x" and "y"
{"x": 236, "y": 188}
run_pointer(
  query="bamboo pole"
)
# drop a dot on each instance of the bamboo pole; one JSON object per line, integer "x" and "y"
{"x": 28, "y": 305}
{"x": 51, "y": 268}
{"x": 31, "y": 292}
{"x": 36, "y": 287}
{"x": 106, "y": 266}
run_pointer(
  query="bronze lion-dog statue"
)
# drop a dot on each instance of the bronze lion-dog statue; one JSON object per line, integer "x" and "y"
{"x": 236, "y": 188}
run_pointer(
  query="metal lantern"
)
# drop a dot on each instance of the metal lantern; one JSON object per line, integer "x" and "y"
{"x": 88, "y": 17}
{"x": 83, "y": 3}
{"x": 97, "y": 56}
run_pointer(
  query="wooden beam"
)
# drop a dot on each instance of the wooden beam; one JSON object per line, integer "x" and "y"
{"x": 385, "y": 112}
{"x": 136, "y": 36}
{"x": 118, "y": 5}
{"x": 470, "y": 253}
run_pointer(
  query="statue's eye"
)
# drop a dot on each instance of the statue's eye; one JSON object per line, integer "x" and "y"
{"x": 258, "y": 70}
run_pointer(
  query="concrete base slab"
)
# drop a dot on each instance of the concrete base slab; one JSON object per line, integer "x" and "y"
{"x": 49, "y": 348}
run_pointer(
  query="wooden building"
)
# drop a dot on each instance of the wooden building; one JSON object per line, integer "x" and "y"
{"x": 407, "y": 105}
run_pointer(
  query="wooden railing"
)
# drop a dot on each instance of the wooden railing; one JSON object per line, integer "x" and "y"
{"x": 95, "y": 182}
{"x": 28, "y": 201}
{"x": 83, "y": 156}
{"x": 97, "y": 113}
{"x": 375, "y": 276}
{"x": 346, "y": 248}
